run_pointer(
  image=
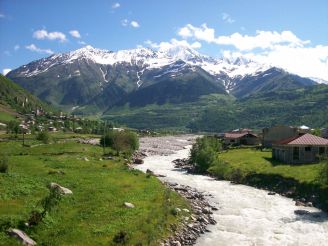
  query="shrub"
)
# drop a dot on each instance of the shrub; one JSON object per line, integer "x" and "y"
{"x": 219, "y": 169}
{"x": 44, "y": 137}
{"x": 204, "y": 153}
{"x": 121, "y": 238}
{"x": 125, "y": 141}
{"x": 4, "y": 166}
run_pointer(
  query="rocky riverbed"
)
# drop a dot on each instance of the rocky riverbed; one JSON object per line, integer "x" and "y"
{"x": 244, "y": 215}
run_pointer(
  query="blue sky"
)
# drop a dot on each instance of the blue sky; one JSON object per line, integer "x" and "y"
{"x": 278, "y": 32}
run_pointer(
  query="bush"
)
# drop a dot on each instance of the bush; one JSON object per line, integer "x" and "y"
{"x": 219, "y": 169}
{"x": 44, "y": 137}
{"x": 125, "y": 141}
{"x": 204, "y": 153}
{"x": 4, "y": 166}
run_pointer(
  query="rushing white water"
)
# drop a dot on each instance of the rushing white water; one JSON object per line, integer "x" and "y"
{"x": 246, "y": 215}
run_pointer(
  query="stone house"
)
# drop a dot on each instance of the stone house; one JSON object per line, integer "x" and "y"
{"x": 276, "y": 134}
{"x": 240, "y": 138}
{"x": 300, "y": 149}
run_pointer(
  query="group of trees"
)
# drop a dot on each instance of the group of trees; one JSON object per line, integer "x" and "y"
{"x": 120, "y": 141}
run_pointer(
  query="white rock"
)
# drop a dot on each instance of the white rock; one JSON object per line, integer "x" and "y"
{"x": 62, "y": 189}
{"x": 185, "y": 210}
{"x": 21, "y": 236}
{"x": 128, "y": 205}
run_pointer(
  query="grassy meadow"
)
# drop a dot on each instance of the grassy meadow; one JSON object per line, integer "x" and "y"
{"x": 94, "y": 213}
{"x": 252, "y": 160}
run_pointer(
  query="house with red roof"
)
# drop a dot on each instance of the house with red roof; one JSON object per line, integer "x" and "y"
{"x": 240, "y": 138}
{"x": 300, "y": 149}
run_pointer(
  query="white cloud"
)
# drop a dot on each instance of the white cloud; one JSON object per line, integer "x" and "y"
{"x": 202, "y": 33}
{"x": 227, "y": 18}
{"x": 116, "y": 5}
{"x": 44, "y": 34}
{"x": 304, "y": 61}
{"x": 34, "y": 48}
{"x": 5, "y": 71}
{"x": 16, "y": 47}
{"x": 2, "y": 15}
{"x": 75, "y": 33}
{"x": 125, "y": 22}
{"x": 282, "y": 49}
{"x": 262, "y": 40}
{"x": 134, "y": 24}
{"x": 173, "y": 43}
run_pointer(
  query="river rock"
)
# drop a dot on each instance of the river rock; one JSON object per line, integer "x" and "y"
{"x": 301, "y": 212}
{"x": 61, "y": 189}
{"x": 150, "y": 172}
{"x": 21, "y": 236}
{"x": 138, "y": 161}
{"x": 129, "y": 205}
{"x": 299, "y": 203}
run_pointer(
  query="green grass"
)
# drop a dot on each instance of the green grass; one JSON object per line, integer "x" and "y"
{"x": 251, "y": 160}
{"x": 255, "y": 168}
{"x": 95, "y": 212}
{"x": 6, "y": 117}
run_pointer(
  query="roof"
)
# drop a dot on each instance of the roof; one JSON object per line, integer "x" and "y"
{"x": 303, "y": 127}
{"x": 306, "y": 139}
{"x": 237, "y": 135}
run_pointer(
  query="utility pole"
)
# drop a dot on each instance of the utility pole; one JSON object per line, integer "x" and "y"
{"x": 104, "y": 136}
{"x": 23, "y": 137}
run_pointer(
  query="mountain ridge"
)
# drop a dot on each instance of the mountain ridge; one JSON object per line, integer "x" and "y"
{"x": 98, "y": 79}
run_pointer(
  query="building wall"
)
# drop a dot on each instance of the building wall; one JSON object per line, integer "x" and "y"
{"x": 285, "y": 153}
{"x": 277, "y": 133}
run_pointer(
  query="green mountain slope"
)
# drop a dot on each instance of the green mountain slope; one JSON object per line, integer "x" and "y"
{"x": 217, "y": 113}
{"x": 15, "y": 100}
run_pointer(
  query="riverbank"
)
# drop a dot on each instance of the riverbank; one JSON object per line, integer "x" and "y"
{"x": 201, "y": 212}
{"x": 245, "y": 215}
{"x": 109, "y": 204}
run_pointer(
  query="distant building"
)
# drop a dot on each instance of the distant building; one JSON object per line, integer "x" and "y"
{"x": 300, "y": 149}
{"x": 324, "y": 132}
{"x": 304, "y": 129}
{"x": 277, "y": 133}
{"x": 240, "y": 138}
{"x": 52, "y": 129}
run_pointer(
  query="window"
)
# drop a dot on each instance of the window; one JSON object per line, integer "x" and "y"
{"x": 296, "y": 153}
{"x": 308, "y": 148}
{"x": 321, "y": 150}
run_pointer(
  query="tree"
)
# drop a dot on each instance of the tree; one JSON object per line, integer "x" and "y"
{"x": 13, "y": 127}
{"x": 204, "y": 153}
{"x": 119, "y": 141}
{"x": 43, "y": 137}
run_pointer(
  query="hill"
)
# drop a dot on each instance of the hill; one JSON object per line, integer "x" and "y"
{"x": 15, "y": 100}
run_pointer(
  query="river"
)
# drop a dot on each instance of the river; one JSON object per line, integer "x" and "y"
{"x": 245, "y": 215}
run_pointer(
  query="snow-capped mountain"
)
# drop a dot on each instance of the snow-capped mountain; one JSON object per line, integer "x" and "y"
{"x": 94, "y": 76}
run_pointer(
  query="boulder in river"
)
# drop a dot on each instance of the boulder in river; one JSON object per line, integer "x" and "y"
{"x": 21, "y": 236}
{"x": 138, "y": 161}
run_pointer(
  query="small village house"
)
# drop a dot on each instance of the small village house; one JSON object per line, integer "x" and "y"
{"x": 240, "y": 138}
{"x": 274, "y": 134}
{"x": 300, "y": 149}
